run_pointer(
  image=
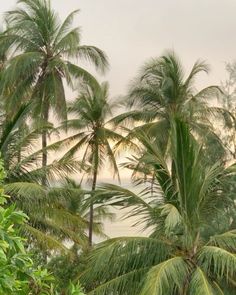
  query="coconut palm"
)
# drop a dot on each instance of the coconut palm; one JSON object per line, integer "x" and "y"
{"x": 187, "y": 251}
{"x": 43, "y": 51}
{"x": 57, "y": 214}
{"x": 22, "y": 159}
{"x": 162, "y": 90}
{"x": 93, "y": 132}
{"x": 74, "y": 200}
{"x": 227, "y": 100}
{"x": 20, "y": 153}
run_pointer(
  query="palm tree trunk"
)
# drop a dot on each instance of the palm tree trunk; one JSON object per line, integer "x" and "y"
{"x": 95, "y": 174}
{"x": 19, "y": 155}
{"x": 45, "y": 115}
{"x": 91, "y": 207}
{"x": 44, "y": 156}
{"x": 173, "y": 173}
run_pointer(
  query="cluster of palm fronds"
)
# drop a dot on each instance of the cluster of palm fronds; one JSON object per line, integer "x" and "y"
{"x": 39, "y": 56}
{"x": 171, "y": 131}
{"x": 191, "y": 247}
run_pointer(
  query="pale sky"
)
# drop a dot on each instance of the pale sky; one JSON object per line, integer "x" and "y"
{"x": 131, "y": 31}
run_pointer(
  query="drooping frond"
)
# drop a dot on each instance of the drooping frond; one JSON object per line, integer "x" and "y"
{"x": 126, "y": 254}
{"x": 199, "y": 284}
{"x": 166, "y": 277}
{"x": 226, "y": 241}
{"x": 94, "y": 55}
{"x": 47, "y": 242}
{"x": 217, "y": 261}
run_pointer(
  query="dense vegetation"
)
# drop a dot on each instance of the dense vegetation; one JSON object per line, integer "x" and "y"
{"x": 181, "y": 147}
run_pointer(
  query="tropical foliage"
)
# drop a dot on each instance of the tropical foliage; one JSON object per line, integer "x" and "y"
{"x": 181, "y": 255}
{"x": 42, "y": 49}
{"x": 94, "y": 132}
{"x": 18, "y": 275}
{"x": 179, "y": 145}
{"x": 227, "y": 100}
{"x": 162, "y": 90}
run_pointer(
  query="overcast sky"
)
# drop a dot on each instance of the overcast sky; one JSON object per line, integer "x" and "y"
{"x": 131, "y": 31}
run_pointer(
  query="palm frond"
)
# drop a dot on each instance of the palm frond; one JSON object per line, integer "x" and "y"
{"x": 217, "y": 261}
{"x": 166, "y": 277}
{"x": 199, "y": 284}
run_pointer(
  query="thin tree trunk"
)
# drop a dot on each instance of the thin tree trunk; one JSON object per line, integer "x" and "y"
{"x": 91, "y": 208}
{"x": 95, "y": 174}
{"x": 44, "y": 157}
{"x": 19, "y": 155}
{"x": 45, "y": 114}
{"x": 173, "y": 173}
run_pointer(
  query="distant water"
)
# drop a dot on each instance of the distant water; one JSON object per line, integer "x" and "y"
{"x": 121, "y": 226}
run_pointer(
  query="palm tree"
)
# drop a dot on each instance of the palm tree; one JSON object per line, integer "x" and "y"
{"x": 162, "y": 90}
{"x": 22, "y": 159}
{"x": 75, "y": 201}
{"x": 227, "y": 100}
{"x": 94, "y": 132}
{"x": 187, "y": 251}
{"x": 43, "y": 50}
{"x": 21, "y": 155}
{"x": 57, "y": 214}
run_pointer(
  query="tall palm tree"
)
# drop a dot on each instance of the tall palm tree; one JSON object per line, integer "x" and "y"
{"x": 22, "y": 159}
{"x": 188, "y": 251}
{"x": 94, "y": 132}
{"x": 162, "y": 90}
{"x": 43, "y": 51}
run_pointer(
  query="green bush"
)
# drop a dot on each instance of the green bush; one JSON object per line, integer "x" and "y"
{"x": 17, "y": 274}
{"x": 75, "y": 290}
